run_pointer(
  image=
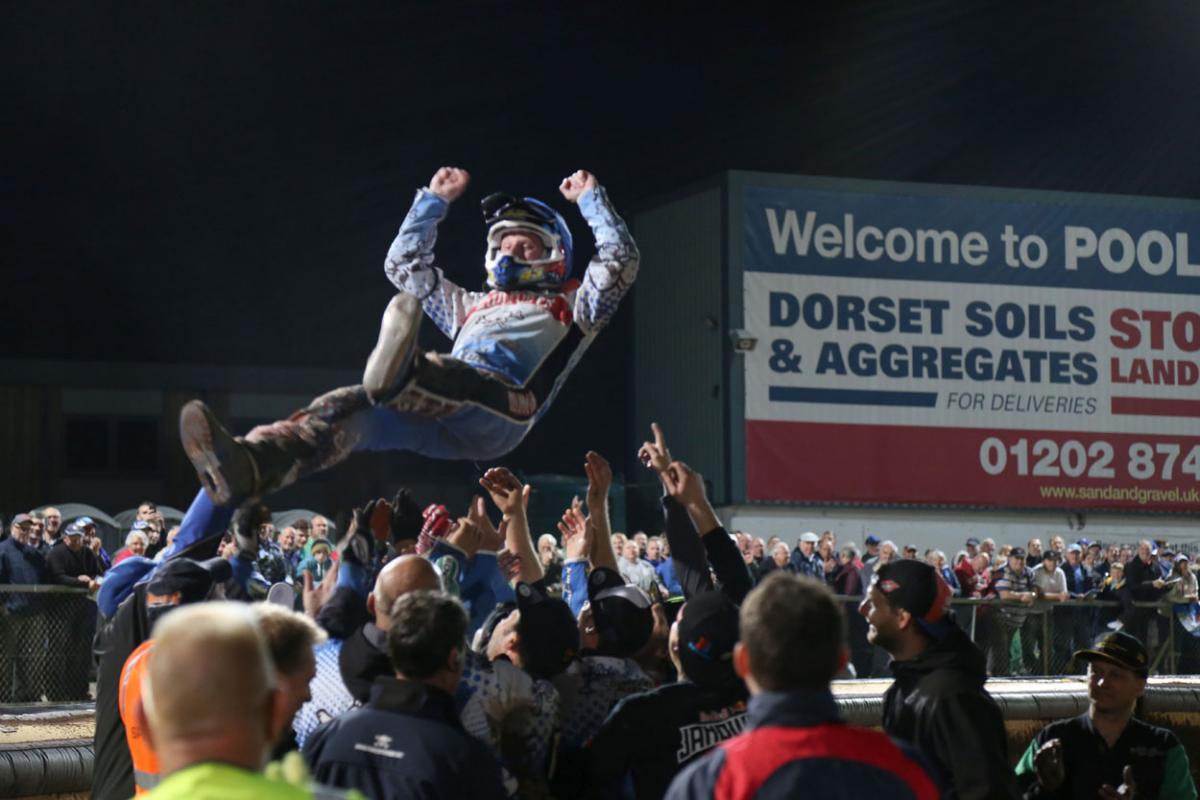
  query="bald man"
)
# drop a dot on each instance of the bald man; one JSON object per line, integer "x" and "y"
{"x": 349, "y": 661}
{"x": 364, "y": 655}
{"x": 211, "y": 705}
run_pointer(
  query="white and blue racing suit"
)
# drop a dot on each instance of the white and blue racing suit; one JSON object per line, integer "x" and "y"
{"x": 528, "y": 341}
{"x": 512, "y": 352}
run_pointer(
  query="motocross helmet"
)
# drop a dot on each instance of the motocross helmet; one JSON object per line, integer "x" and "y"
{"x": 504, "y": 214}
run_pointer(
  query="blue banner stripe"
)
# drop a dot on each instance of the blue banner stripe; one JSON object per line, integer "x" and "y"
{"x": 923, "y": 237}
{"x": 852, "y": 397}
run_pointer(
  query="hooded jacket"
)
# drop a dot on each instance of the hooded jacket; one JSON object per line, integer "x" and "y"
{"x": 939, "y": 704}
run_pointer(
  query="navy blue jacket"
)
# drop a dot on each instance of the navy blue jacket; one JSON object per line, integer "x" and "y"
{"x": 21, "y": 565}
{"x": 796, "y": 746}
{"x": 406, "y": 742}
{"x": 1078, "y": 587}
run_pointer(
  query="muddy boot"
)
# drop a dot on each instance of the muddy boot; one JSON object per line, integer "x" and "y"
{"x": 389, "y": 366}
{"x": 224, "y": 465}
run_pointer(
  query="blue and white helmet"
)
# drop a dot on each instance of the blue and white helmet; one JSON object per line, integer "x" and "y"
{"x": 505, "y": 214}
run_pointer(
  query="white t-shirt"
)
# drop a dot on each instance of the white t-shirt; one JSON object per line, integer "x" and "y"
{"x": 1050, "y": 582}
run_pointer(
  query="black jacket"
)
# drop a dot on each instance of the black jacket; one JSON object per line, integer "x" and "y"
{"x": 112, "y": 773}
{"x": 406, "y": 742}
{"x": 938, "y": 703}
{"x": 364, "y": 658}
{"x": 1140, "y": 577}
{"x": 654, "y": 734}
{"x": 64, "y": 565}
{"x": 693, "y": 555}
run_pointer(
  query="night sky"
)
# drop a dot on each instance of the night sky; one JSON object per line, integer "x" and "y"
{"x": 218, "y": 182}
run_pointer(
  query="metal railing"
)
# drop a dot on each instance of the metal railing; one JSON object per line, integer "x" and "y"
{"x": 46, "y": 637}
{"x": 1040, "y": 639}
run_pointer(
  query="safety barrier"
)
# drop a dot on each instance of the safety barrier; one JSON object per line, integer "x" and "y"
{"x": 46, "y": 637}
{"x": 1040, "y": 639}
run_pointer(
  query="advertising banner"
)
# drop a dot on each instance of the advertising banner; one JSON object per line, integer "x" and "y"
{"x": 966, "y": 349}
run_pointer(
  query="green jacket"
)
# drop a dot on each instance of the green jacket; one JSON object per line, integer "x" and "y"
{"x": 214, "y": 781}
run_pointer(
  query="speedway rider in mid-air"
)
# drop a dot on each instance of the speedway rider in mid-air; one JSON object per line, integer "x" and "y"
{"x": 515, "y": 342}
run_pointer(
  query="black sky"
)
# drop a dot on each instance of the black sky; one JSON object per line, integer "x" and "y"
{"x": 218, "y": 182}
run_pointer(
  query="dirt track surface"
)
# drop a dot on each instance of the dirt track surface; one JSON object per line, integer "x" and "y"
{"x": 25, "y": 729}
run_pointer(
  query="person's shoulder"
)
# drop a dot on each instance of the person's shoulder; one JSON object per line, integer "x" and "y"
{"x": 649, "y": 700}
{"x": 699, "y": 778}
{"x": 1165, "y": 736}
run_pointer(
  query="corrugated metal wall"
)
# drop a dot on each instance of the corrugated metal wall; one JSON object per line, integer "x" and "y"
{"x": 679, "y": 378}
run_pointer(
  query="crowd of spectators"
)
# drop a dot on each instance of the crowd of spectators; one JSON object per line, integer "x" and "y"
{"x": 420, "y": 654}
{"x": 1146, "y": 589}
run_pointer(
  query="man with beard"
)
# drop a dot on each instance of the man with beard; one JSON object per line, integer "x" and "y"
{"x": 937, "y": 701}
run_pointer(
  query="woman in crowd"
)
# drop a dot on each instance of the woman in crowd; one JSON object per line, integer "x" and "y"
{"x": 135, "y": 545}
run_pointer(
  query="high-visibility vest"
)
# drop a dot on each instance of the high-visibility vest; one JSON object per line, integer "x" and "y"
{"x": 145, "y": 762}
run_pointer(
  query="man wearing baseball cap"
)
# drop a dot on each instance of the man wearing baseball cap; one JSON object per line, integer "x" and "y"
{"x": 22, "y": 627}
{"x": 1107, "y": 752}
{"x": 805, "y": 556}
{"x": 615, "y": 624}
{"x": 651, "y": 736}
{"x": 938, "y": 701}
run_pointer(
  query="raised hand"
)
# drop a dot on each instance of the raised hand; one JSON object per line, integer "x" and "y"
{"x": 1127, "y": 789}
{"x": 314, "y": 598}
{"x": 576, "y": 184}
{"x": 600, "y": 477}
{"x": 655, "y": 455}
{"x": 684, "y": 484}
{"x": 576, "y": 534}
{"x": 449, "y": 183}
{"x": 466, "y": 536}
{"x": 508, "y": 493}
{"x": 490, "y": 539}
{"x": 406, "y": 516}
{"x": 1048, "y": 764}
{"x": 436, "y": 525}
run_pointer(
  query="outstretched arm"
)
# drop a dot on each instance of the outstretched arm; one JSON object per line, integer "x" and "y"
{"x": 600, "y": 476}
{"x": 512, "y": 498}
{"x": 614, "y": 267}
{"x": 409, "y": 262}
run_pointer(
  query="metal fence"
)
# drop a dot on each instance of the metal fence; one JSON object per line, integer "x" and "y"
{"x": 46, "y": 637}
{"x": 1040, "y": 639}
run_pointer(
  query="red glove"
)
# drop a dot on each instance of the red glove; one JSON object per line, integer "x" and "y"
{"x": 437, "y": 524}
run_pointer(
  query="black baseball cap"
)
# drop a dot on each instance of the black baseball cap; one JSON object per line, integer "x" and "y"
{"x": 1120, "y": 648}
{"x": 193, "y": 580}
{"x": 622, "y": 613}
{"x": 972, "y": 542}
{"x": 548, "y": 632}
{"x": 1018, "y": 552}
{"x": 917, "y": 588}
{"x": 493, "y": 619}
{"x": 708, "y": 630}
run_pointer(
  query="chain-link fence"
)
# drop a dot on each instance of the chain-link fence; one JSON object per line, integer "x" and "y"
{"x": 1040, "y": 639}
{"x": 46, "y": 637}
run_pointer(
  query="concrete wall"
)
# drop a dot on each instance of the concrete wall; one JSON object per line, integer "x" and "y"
{"x": 948, "y": 530}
